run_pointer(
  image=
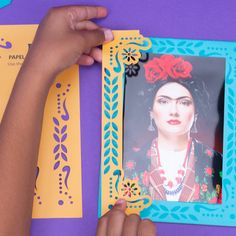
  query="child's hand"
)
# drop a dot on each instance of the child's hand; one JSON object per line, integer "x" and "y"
{"x": 117, "y": 223}
{"x": 67, "y": 36}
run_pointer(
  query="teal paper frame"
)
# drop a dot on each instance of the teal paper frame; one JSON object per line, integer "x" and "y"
{"x": 200, "y": 213}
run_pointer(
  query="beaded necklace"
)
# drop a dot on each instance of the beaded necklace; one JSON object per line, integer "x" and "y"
{"x": 172, "y": 187}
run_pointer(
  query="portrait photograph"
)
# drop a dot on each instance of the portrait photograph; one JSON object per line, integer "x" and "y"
{"x": 173, "y": 126}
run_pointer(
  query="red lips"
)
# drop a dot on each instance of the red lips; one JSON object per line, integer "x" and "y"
{"x": 173, "y": 122}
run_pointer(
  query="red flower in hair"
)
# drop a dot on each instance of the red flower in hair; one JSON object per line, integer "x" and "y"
{"x": 155, "y": 70}
{"x": 179, "y": 68}
{"x": 167, "y": 65}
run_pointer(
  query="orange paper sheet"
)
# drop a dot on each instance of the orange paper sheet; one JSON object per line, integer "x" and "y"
{"x": 58, "y": 190}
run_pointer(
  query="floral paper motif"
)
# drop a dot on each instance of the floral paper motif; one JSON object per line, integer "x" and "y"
{"x": 130, "y": 55}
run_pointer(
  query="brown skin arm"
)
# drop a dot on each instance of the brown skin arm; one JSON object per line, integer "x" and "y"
{"x": 65, "y": 36}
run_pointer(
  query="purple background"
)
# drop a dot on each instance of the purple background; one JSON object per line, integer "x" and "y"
{"x": 211, "y": 19}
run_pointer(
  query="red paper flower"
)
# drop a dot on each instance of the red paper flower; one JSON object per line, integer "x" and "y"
{"x": 167, "y": 65}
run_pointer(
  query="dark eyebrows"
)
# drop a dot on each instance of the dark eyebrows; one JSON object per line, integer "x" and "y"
{"x": 170, "y": 98}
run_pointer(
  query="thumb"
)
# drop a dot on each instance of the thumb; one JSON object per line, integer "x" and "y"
{"x": 120, "y": 205}
{"x": 93, "y": 38}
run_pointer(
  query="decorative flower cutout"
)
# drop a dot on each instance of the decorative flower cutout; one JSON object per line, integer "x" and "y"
{"x": 130, "y": 188}
{"x": 132, "y": 70}
{"x": 130, "y": 56}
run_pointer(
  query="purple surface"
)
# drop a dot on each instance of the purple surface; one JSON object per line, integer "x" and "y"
{"x": 212, "y": 19}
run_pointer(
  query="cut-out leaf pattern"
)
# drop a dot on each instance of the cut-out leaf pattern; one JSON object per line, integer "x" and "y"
{"x": 107, "y": 169}
{"x": 57, "y": 156}
{"x": 164, "y": 215}
{"x": 164, "y": 208}
{"x": 175, "y": 216}
{"x": 115, "y": 89}
{"x": 115, "y": 80}
{"x": 56, "y": 130}
{"x": 63, "y": 147}
{"x": 115, "y": 162}
{"x": 64, "y": 157}
{"x": 107, "y": 143}
{"x": 115, "y": 136}
{"x": 107, "y": 89}
{"x": 107, "y": 97}
{"x": 107, "y": 72}
{"x": 114, "y": 107}
{"x": 115, "y": 96}
{"x": 114, "y": 126}
{"x": 107, "y": 152}
{"x": 111, "y": 112}
{"x": 107, "y": 126}
{"x": 114, "y": 152}
{"x": 107, "y": 106}
{"x": 56, "y": 148}
{"x": 106, "y": 161}
{"x": 115, "y": 144}
{"x": 63, "y": 130}
{"x": 114, "y": 115}
{"x": 55, "y": 120}
{"x": 63, "y": 137}
{"x": 56, "y": 137}
{"x": 56, "y": 165}
{"x": 192, "y": 217}
{"x": 107, "y": 114}
{"x": 107, "y": 80}
{"x": 107, "y": 134}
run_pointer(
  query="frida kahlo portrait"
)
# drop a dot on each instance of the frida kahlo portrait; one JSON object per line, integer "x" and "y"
{"x": 173, "y": 127}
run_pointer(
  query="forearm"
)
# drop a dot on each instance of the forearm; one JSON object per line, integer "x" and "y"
{"x": 20, "y": 131}
{"x": 65, "y": 36}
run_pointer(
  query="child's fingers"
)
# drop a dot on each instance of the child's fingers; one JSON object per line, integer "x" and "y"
{"x": 116, "y": 218}
{"x": 96, "y": 54}
{"x": 146, "y": 227}
{"x": 85, "y": 60}
{"x": 80, "y": 13}
{"x": 93, "y": 38}
{"x": 131, "y": 225}
{"x": 102, "y": 226}
{"x": 111, "y": 223}
{"x": 86, "y": 25}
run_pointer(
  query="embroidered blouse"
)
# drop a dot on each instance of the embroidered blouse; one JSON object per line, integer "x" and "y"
{"x": 200, "y": 181}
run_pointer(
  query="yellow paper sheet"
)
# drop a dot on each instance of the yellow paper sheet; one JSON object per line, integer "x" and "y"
{"x": 58, "y": 190}
{"x": 123, "y": 51}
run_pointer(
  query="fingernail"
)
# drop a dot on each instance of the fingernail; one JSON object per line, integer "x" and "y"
{"x": 120, "y": 202}
{"x": 108, "y": 34}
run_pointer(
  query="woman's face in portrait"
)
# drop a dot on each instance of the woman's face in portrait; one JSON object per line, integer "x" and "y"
{"x": 173, "y": 109}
